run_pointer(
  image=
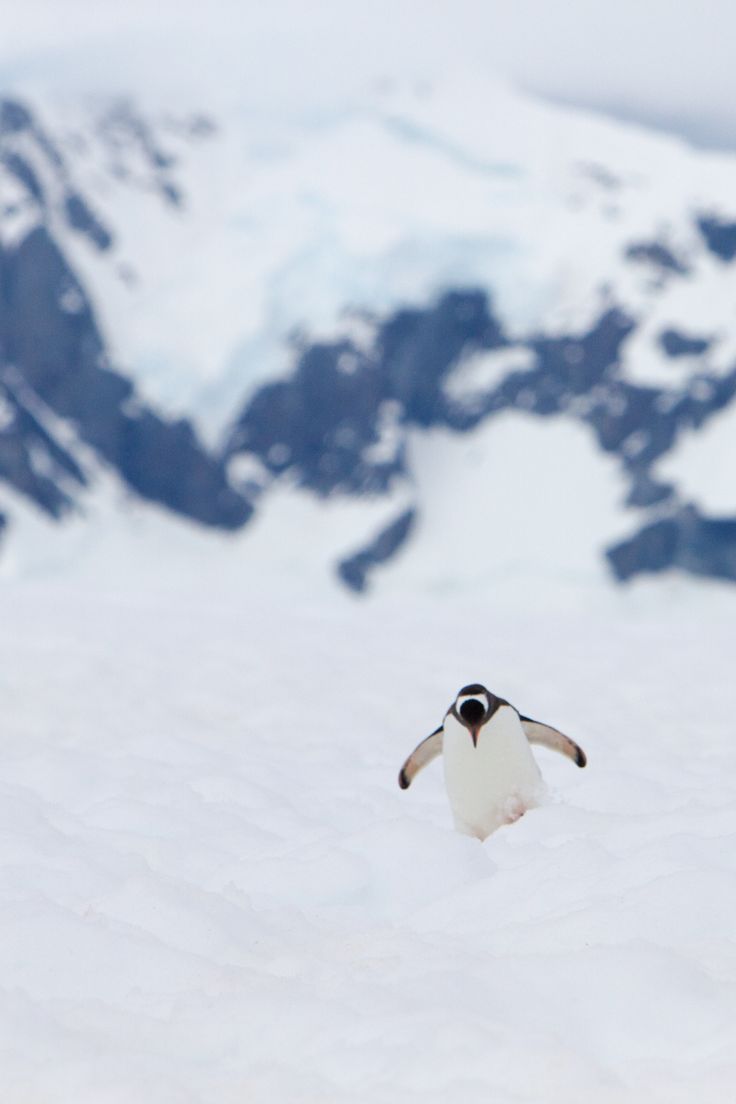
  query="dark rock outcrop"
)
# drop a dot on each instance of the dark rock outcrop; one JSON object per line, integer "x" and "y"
{"x": 660, "y": 257}
{"x": 354, "y": 570}
{"x": 677, "y": 344}
{"x": 687, "y": 540}
{"x": 50, "y": 343}
{"x": 322, "y": 422}
{"x": 719, "y": 235}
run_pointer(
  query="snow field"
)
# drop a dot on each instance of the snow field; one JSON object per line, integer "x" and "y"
{"x": 214, "y": 890}
{"x": 517, "y": 497}
{"x": 701, "y": 466}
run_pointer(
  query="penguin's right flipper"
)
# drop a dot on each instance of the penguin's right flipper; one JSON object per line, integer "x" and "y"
{"x": 538, "y": 733}
{"x": 422, "y": 754}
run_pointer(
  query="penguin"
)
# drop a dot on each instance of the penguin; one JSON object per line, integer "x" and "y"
{"x": 491, "y": 776}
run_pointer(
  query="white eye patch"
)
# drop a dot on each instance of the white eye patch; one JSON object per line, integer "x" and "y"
{"x": 480, "y": 698}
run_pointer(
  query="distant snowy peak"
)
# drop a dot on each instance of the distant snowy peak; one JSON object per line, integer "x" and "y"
{"x": 315, "y": 293}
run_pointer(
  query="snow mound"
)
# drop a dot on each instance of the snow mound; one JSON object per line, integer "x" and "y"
{"x": 516, "y": 497}
{"x": 702, "y": 464}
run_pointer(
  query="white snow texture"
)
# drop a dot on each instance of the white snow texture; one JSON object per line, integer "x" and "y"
{"x": 214, "y": 890}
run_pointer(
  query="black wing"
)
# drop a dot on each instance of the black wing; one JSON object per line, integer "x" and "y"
{"x": 538, "y": 733}
{"x": 422, "y": 754}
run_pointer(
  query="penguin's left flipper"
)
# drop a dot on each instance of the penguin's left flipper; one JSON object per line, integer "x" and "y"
{"x": 538, "y": 733}
{"x": 422, "y": 754}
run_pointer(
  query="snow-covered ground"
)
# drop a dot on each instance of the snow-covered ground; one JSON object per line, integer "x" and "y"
{"x": 214, "y": 890}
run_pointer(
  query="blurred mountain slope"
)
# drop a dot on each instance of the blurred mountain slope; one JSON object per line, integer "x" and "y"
{"x": 208, "y": 307}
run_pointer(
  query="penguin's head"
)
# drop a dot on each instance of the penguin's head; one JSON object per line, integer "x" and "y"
{"x": 472, "y": 708}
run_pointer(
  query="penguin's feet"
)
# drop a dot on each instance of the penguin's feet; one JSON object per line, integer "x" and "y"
{"x": 514, "y": 810}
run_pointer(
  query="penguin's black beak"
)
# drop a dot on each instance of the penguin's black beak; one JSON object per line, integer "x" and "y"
{"x": 474, "y": 734}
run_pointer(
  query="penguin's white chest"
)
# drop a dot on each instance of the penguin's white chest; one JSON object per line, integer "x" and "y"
{"x": 495, "y": 782}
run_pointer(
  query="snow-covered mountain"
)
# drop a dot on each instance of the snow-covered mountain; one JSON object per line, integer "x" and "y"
{"x": 485, "y": 321}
